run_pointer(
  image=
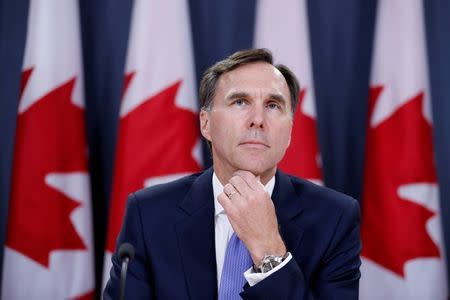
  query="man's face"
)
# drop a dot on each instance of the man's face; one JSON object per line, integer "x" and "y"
{"x": 250, "y": 121}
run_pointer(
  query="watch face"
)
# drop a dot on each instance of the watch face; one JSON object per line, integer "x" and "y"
{"x": 267, "y": 267}
{"x": 269, "y": 264}
{"x": 270, "y": 261}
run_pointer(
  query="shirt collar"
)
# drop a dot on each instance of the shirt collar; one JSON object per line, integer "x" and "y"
{"x": 218, "y": 189}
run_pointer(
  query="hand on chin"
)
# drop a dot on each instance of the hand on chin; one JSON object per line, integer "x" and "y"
{"x": 251, "y": 213}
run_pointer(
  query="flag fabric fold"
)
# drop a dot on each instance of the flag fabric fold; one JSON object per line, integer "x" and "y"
{"x": 158, "y": 138}
{"x": 401, "y": 226}
{"x": 49, "y": 243}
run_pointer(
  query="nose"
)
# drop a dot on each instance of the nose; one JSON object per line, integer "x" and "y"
{"x": 257, "y": 117}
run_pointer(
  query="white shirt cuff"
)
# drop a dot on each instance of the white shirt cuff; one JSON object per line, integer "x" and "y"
{"x": 253, "y": 278}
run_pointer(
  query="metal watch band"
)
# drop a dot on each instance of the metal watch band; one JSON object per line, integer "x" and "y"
{"x": 269, "y": 262}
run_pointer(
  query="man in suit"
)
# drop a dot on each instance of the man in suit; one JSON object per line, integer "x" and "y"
{"x": 242, "y": 228}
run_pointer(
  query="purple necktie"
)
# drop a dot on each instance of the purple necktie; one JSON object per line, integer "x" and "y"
{"x": 237, "y": 261}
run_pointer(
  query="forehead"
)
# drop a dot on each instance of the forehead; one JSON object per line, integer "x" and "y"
{"x": 258, "y": 76}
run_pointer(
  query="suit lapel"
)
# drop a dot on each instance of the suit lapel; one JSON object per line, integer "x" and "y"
{"x": 288, "y": 206}
{"x": 195, "y": 231}
{"x": 196, "y": 240}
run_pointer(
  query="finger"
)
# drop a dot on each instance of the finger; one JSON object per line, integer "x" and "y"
{"x": 241, "y": 185}
{"x": 226, "y": 203}
{"x": 250, "y": 179}
{"x": 258, "y": 181}
{"x": 230, "y": 190}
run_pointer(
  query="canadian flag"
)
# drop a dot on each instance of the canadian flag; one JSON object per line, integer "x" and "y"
{"x": 272, "y": 18}
{"x": 158, "y": 133}
{"x": 401, "y": 229}
{"x": 49, "y": 248}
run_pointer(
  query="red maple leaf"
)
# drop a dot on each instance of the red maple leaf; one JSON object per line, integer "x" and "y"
{"x": 49, "y": 139}
{"x": 155, "y": 139}
{"x": 87, "y": 296}
{"x": 301, "y": 158}
{"x": 399, "y": 152}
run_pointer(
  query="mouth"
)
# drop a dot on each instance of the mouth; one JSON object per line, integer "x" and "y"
{"x": 254, "y": 144}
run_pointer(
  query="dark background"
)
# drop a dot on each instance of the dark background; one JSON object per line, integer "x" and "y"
{"x": 341, "y": 35}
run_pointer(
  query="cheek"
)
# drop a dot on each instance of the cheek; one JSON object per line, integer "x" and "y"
{"x": 283, "y": 134}
{"x": 216, "y": 134}
{"x": 223, "y": 127}
{"x": 219, "y": 132}
{"x": 283, "y": 127}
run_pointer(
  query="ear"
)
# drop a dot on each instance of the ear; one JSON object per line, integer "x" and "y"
{"x": 290, "y": 133}
{"x": 204, "y": 124}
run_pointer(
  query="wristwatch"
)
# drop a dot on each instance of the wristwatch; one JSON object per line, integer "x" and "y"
{"x": 269, "y": 262}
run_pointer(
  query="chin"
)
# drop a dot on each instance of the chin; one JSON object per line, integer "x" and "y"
{"x": 255, "y": 167}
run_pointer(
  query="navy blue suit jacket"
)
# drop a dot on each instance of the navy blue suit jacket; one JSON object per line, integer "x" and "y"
{"x": 171, "y": 227}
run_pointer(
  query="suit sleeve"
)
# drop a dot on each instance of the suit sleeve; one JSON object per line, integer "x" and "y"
{"x": 338, "y": 276}
{"x": 138, "y": 275}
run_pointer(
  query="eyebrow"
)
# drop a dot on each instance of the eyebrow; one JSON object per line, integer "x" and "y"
{"x": 236, "y": 95}
{"x": 278, "y": 97}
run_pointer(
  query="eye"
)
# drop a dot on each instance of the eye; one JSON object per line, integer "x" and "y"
{"x": 273, "y": 105}
{"x": 239, "y": 102}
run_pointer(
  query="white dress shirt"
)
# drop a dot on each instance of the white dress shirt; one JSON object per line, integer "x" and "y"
{"x": 224, "y": 231}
